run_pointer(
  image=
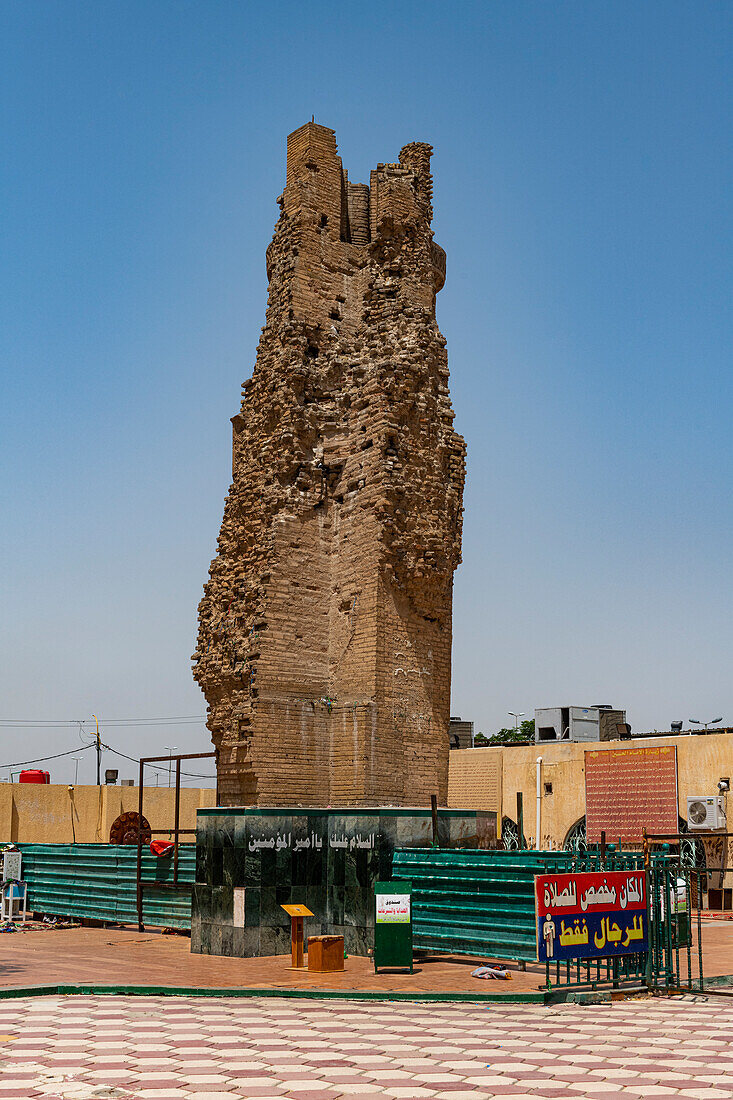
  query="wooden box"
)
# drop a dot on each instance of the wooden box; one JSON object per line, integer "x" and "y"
{"x": 325, "y": 953}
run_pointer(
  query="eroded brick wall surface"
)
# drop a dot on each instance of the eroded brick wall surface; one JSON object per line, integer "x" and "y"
{"x": 324, "y": 641}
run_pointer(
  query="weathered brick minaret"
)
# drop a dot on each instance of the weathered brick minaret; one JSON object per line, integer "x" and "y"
{"x": 324, "y": 645}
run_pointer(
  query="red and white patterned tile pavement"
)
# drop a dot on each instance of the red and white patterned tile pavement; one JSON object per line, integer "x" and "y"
{"x": 168, "y": 1048}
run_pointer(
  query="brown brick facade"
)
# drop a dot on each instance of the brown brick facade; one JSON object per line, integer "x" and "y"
{"x": 324, "y": 642}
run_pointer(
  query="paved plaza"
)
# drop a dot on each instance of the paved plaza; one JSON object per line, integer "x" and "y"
{"x": 166, "y": 1048}
{"x": 123, "y": 957}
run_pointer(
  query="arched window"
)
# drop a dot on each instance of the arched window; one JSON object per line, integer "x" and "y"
{"x": 575, "y": 841}
{"x": 692, "y": 849}
{"x": 510, "y": 835}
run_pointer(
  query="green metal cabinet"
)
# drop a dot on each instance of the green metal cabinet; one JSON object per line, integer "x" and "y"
{"x": 393, "y": 925}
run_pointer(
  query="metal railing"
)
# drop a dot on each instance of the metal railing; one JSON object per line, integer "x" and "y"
{"x": 483, "y": 902}
{"x": 475, "y": 901}
{"x": 675, "y": 937}
{"x": 177, "y": 831}
{"x": 98, "y": 882}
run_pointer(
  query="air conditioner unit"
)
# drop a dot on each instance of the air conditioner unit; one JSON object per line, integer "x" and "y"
{"x": 705, "y": 812}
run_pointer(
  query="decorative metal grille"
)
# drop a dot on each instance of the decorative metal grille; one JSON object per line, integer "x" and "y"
{"x": 509, "y": 834}
{"x": 575, "y": 841}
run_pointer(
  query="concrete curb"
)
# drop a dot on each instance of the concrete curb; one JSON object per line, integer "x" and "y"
{"x": 303, "y": 994}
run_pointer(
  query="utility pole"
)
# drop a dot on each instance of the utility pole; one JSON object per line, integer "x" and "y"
{"x": 169, "y": 749}
{"x": 99, "y": 753}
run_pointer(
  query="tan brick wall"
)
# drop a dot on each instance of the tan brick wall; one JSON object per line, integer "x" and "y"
{"x": 475, "y": 779}
{"x": 701, "y": 762}
{"x": 325, "y": 630}
{"x": 42, "y": 813}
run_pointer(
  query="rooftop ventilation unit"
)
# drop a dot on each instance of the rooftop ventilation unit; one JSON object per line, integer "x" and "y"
{"x": 599, "y": 723}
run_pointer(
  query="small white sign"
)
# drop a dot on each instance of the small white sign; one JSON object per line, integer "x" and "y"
{"x": 11, "y": 865}
{"x": 393, "y": 908}
{"x": 238, "y": 920}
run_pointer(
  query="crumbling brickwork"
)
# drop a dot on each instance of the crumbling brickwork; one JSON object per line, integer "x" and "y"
{"x": 324, "y": 646}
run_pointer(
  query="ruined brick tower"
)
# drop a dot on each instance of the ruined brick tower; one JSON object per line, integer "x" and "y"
{"x": 324, "y": 646}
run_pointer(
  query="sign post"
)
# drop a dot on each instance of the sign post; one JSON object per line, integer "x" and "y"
{"x": 393, "y": 925}
{"x": 591, "y": 915}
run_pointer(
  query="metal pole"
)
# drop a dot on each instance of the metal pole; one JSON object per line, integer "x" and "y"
{"x": 170, "y": 749}
{"x": 140, "y": 925}
{"x": 434, "y": 812}
{"x": 520, "y": 821}
{"x": 688, "y": 937}
{"x": 668, "y": 942}
{"x": 658, "y": 913}
{"x": 699, "y": 933}
{"x": 177, "y": 819}
{"x": 647, "y": 887}
{"x": 538, "y": 807}
{"x": 99, "y": 753}
{"x": 676, "y": 929}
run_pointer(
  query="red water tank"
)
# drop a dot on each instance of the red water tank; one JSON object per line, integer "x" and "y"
{"x": 34, "y": 775}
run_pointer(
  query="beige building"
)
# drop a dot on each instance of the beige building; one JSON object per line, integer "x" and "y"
{"x": 489, "y": 779}
{"x": 52, "y": 813}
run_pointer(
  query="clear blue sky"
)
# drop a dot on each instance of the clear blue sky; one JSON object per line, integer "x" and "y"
{"x": 582, "y": 193}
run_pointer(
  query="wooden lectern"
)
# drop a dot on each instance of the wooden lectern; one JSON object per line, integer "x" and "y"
{"x": 296, "y": 914}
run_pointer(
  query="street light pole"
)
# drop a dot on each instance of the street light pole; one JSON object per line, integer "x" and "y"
{"x": 712, "y": 722}
{"x": 516, "y": 717}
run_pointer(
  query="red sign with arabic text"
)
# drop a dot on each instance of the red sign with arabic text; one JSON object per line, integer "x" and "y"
{"x": 590, "y": 914}
{"x": 628, "y": 790}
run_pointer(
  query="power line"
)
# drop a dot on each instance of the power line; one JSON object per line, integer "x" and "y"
{"x": 115, "y": 752}
{"x": 42, "y": 759}
{"x": 153, "y": 721}
{"x": 108, "y": 721}
{"x": 155, "y": 767}
{"x": 28, "y": 723}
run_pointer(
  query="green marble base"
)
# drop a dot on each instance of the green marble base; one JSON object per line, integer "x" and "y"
{"x": 251, "y": 861}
